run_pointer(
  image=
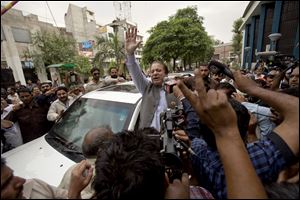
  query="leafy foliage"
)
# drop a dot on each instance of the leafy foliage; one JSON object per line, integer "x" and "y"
{"x": 83, "y": 65}
{"x": 181, "y": 37}
{"x": 109, "y": 48}
{"x": 53, "y": 48}
{"x": 237, "y": 37}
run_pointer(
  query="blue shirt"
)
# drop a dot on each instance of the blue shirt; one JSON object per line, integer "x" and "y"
{"x": 265, "y": 156}
{"x": 261, "y": 113}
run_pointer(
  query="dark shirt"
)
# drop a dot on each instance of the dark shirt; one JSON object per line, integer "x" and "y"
{"x": 45, "y": 100}
{"x": 32, "y": 120}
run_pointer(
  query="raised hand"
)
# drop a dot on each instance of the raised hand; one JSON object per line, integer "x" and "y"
{"x": 243, "y": 83}
{"x": 130, "y": 43}
{"x": 212, "y": 107}
{"x": 80, "y": 178}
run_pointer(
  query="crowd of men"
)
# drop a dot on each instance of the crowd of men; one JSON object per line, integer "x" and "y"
{"x": 29, "y": 111}
{"x": 242, "y": 136}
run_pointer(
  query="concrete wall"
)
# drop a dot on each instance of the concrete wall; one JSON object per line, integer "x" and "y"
{"x": 223, "y": 51}
{"x": 12, "y": 52}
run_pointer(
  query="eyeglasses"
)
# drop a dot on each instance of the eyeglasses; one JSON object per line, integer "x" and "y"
{"x": 96, "y": 73}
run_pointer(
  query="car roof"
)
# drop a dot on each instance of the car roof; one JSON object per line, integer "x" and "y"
{"x": 124, "y": 93}
{"x": 181, "y": 74}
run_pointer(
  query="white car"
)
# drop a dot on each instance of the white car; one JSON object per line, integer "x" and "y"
{"x": 48, "y": 157}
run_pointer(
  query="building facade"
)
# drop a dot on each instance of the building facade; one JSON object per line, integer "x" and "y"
{"x": 16, "y": 42}
{"x": 224, "y": 52}
{"x": 270, "y": 26}
{"x": 82, "y": 24}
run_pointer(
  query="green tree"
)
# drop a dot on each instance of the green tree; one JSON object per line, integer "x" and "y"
{"x": 82, "y": 64}
{"x": 218, "y": 42}
{"x": 53, "y": 48}
{"x": 237, "y": 38}
{"x": 181, "y": 37}
{"x": 107, "y": 49}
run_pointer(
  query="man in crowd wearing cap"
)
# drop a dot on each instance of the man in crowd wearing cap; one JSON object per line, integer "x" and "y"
{"x": 48, "y": 94}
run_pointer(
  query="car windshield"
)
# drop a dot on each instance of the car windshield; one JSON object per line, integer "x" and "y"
{"x": 85, "y": 114}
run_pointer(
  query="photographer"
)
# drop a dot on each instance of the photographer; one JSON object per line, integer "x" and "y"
{"x": 155, "y": 99}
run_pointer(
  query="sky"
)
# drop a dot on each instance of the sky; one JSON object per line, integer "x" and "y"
{"x": 218, "y": 15}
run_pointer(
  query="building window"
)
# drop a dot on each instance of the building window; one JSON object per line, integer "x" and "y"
{"x": 21, "y": 35}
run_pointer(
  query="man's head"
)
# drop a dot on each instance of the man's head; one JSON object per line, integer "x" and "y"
{"x": 227, "y": 88}
{"x": 18, "y": 84}
{"x": 46, "y": 86}
{"x": 11, "y": 90}
{"x": 217, "y": 76}
{"x": 130, "y": 168}
{"x": 96, "y": 73}
{"x": 35, "y": 91}
{"x": 3, "y": 93}
{"x": 25, "y": 95}
{"x": 62, "y": 93}
{"x": 270, "y": 77}
{"x": 29, "y": 82}
{"x": 75, "y": 89}
{"x": 113, "y": 71}
{"x": 204, "y": 71}
{"x": 158, "y": 71}
{"x": 95, "y": 139}
{"x": 4, "y": 104}
{"x": 11, "y": 186}
{"x": 294, "y": 78}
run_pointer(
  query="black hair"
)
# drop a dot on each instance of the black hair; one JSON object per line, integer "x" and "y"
{"x": 61, "y": 88}
{"x": 230, "y": 88}
{"x": 161, "y": 63}
{"x": 12, "y": 88}
{"x": 23, "y": 89}
{"x": 130, "y": 168}
{"x": 94, "y": 69}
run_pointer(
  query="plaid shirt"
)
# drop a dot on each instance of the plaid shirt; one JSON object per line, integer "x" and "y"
{"x": 197, "y": 192}
{"x": 266, "y": 159}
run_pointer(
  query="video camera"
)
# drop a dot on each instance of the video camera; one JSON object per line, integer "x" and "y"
{"x": 217, "y": 67}
{"x": 170, "y": 120}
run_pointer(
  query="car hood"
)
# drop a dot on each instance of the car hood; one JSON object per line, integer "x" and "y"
{"x": 38, "y": 159}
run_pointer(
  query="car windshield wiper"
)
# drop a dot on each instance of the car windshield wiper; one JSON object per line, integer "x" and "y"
{"x": 59, "y": 139}
{"x": 67, "y": 150}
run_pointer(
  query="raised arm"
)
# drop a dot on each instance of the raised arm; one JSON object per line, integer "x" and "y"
{"x": 215, "y": 111}
{"x": 286, "y": 105}
{"x": 133, "y": 67}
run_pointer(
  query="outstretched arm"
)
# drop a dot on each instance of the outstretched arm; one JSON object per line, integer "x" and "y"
{"x": 133, "y": 67}
{"x": 215, "y": 111}
{"x": 286, "y": 105}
